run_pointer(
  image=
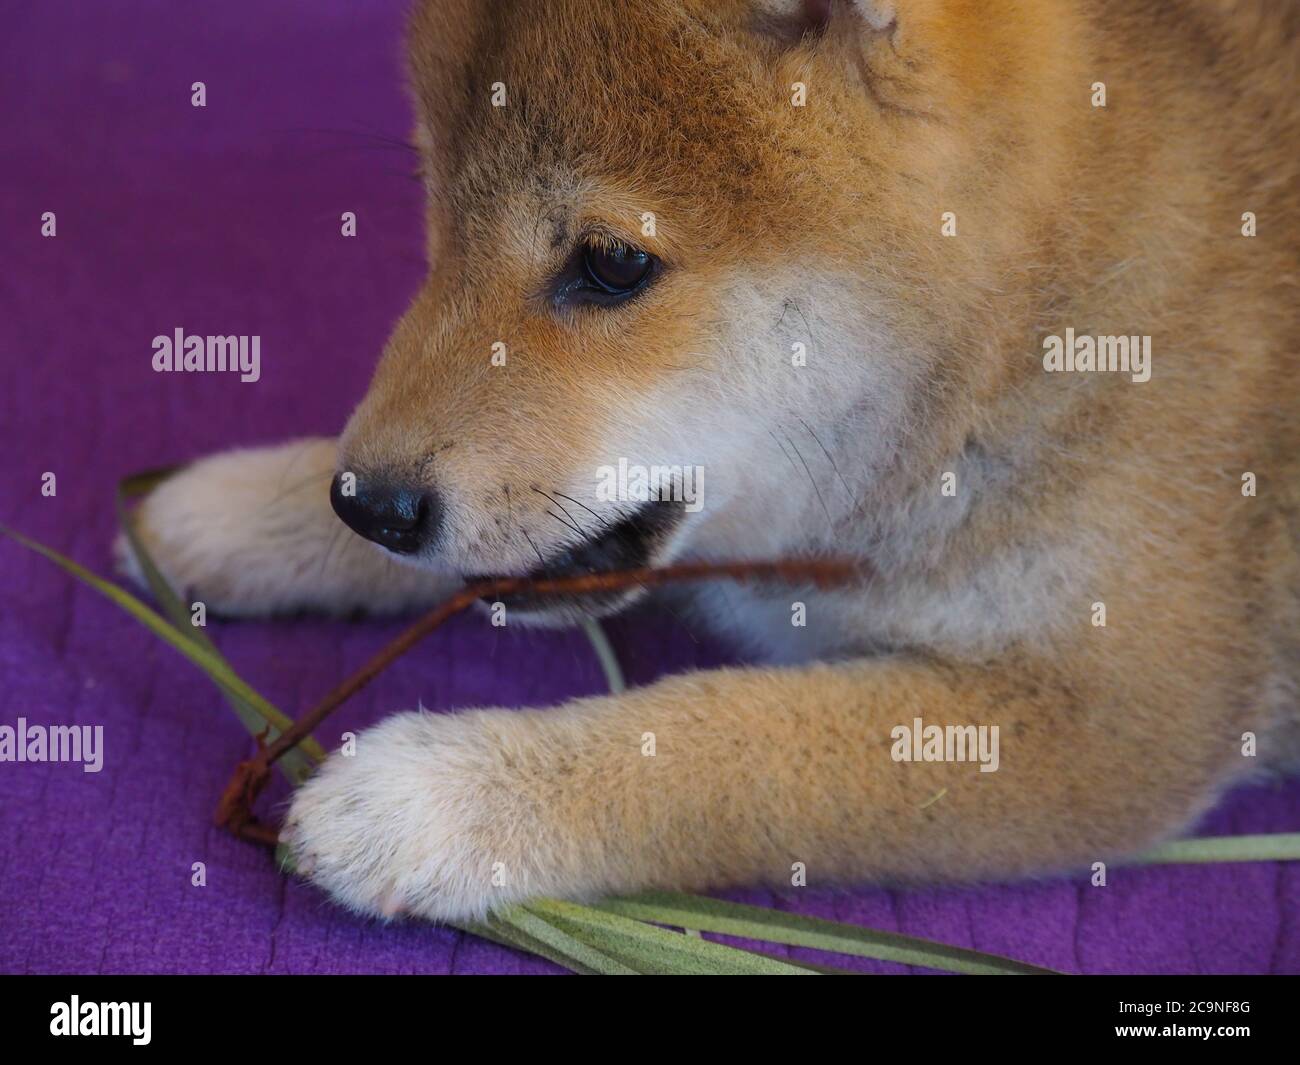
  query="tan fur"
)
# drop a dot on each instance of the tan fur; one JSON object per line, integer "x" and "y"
{"x": 821, "y": 225}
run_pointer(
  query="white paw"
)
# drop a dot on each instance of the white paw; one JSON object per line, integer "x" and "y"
{"x": 252, "y": 532}
{"x": 422, "y": 819}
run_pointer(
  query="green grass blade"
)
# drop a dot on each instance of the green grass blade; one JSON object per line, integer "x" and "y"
{"x": 506, "y": 935}
{"x": 173, "y": 607}
{"x": 1272, "y": 847}
{"x": 632, "y": 958}
{"x": 796, "y": 930}
{"x": 135, "y": 485}
{"x": 296, "y": 764}
{"x": 615, "y": 936}
{"x": 608, "y": 660}
{"x": 822, "y": 970}
{"x": 521, "y": 922}
{"x": 654, "y": 950}
{"x": 217, "y": 669}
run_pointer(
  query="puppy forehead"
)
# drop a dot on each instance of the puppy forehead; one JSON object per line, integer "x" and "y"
{"x": 666, "y": 100}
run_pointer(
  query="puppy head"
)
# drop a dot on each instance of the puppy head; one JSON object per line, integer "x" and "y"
{"x": 689, "y": 290}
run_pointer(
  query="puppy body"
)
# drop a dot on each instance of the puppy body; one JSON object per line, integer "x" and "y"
{"x": 1105, "y": 569}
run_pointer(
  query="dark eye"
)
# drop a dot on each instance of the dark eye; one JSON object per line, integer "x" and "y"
{"x": 615, "y": 268}
{"x": 603, "y": 271}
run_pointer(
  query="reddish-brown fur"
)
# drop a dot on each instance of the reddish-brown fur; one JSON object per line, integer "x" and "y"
{"x": 1084, "y": 489}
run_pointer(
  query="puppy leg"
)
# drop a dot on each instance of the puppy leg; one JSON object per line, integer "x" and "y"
{"x": 252, "y": 532}
{"x": 738, "y": 776}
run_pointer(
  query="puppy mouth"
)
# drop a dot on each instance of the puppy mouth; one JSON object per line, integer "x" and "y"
{"x": 631, "y": 543}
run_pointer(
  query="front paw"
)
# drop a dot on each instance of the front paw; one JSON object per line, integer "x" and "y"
{"x": 423, "y": 819}
{"x": 252, "y": 532}
{"x": 241, "y": 531}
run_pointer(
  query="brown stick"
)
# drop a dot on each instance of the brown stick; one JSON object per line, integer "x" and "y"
{"x": 235, "y": 810}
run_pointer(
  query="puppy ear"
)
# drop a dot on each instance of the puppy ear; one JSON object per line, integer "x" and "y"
{"x": 795, "y": 19}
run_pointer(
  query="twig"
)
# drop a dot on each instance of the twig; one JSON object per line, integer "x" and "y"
{"x": 235, "y": 810}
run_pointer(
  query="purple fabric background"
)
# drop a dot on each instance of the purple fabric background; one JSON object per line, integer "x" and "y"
{"x": 226, "y": 220}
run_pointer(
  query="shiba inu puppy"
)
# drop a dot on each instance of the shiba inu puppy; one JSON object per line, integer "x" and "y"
{"x": 826, "y": 252}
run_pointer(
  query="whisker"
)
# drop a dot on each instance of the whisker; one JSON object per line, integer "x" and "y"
{"x": 576, "y": 527}
{"x": 599, "y": 517}
{"x": 813, "y": 481}
{"x": 788, "y": 459}
{"x": 812, "y": 340}
{"x": 541, "y": 561}
{"x": 831, "y": 460}
{"x": 566, "y": 524}
{"x": 557, "y": 209}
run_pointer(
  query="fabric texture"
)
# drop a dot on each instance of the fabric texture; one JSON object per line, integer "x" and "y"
{"x": 226, "y": 219}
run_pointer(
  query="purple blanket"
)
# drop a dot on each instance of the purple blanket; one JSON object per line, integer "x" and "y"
{"x": 225, "y": 219}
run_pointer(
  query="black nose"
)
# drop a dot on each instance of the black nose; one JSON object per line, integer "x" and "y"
{"x": 395, "y": 516}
